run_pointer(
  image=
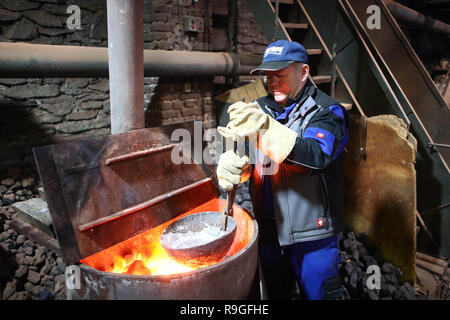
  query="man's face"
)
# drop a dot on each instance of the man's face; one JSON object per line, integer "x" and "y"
{"x": 287, "y": 83}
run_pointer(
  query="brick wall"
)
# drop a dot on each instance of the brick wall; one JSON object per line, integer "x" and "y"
{"x": 182, "y": 101}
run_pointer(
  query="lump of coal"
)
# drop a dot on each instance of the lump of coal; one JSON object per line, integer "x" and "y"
{"x": 405, "y": 292}
{"x": 138, "y": 268}
{"x": 389, "y": 268}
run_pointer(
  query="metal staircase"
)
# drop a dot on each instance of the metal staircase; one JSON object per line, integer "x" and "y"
{"x": 374, "y": 71}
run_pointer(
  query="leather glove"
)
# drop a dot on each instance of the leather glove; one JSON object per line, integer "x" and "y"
{"x": 232, "y": 169}
{"x": 247, "y": 119}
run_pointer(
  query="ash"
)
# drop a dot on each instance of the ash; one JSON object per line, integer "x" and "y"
{"x": 182, "y": 239}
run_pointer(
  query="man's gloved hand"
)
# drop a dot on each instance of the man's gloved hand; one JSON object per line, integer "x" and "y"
{"x": 232, "y": 169}
{"x": 247, "y": 119}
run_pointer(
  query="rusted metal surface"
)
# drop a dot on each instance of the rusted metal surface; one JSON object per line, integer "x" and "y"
{"x": 143, "y": 205}
{"x": 137, "y": 154}
{"x": 230, "y": 278}
{"x": 111, "y": 198}
{"x": 61, "y": 221}
{"x": 380, "y": 190}
{"x": 85, "y": 191}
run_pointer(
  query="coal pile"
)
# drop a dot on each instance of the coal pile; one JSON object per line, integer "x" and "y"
{"x": 356, "y": 258}
{"x": 28, "y": 271}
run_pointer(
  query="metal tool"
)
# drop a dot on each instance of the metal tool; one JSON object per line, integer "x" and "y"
{"x": 231, "y": 194}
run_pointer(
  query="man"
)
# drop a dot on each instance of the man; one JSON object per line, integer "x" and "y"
{"x": 297, "y": 178}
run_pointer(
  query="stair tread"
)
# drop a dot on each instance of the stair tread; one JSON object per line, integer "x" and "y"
{"x": 322, "y": 78}
{"x": 284, "y": 1}
{"x": 311, "y": 52}
{"x": 292, "y": 25}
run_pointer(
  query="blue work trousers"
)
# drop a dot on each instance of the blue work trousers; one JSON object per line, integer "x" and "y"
{"x": 309, "y": 263}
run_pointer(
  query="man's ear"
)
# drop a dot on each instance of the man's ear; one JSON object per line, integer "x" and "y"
{"x": 305, "y": 72}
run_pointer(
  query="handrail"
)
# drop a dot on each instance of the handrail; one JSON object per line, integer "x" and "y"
{"x": 330, "y": 56}
{"x": 365, "y": 42}
{"x": 386, "y": 72}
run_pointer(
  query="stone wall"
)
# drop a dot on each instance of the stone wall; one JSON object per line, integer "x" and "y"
{"x": 48, "y": 110}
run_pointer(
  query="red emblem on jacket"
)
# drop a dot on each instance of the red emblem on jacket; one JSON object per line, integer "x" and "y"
{"x": 320, "y": 135}
{"x": 320, "y": 222}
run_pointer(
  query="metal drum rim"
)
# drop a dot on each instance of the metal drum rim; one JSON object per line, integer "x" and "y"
{"x": 168, "y": 277}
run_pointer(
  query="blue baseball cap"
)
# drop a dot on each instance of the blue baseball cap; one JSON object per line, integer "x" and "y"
{"x": 280, "y": 54}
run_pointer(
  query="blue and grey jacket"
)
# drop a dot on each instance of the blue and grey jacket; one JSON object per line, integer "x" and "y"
{"x": 305, "y": 193}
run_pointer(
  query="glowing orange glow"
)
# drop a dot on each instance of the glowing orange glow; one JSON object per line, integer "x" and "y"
{"x": 157, "y": 263}
{"x": 143, "y": 254}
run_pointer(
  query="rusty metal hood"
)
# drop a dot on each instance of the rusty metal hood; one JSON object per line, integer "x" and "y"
{"x": 103, "y": 190}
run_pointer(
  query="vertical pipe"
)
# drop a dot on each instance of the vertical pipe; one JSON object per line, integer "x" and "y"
{"x": 126, "y": 64}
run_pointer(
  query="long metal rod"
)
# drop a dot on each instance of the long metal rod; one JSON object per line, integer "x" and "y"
{"x": 22, "y": 60}
{"x": 438, "y": 145}
{"x": 36, "y": 235}
{"x": 126, "y": 64}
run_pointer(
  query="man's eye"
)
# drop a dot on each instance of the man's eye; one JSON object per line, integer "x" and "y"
{"x": 277, "y": 76}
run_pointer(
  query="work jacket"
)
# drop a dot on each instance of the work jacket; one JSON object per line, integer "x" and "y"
{"x": 307, "y": 187}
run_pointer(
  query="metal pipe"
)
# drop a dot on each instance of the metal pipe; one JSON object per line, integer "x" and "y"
{"x": 126, "y": 64}
{"x": 406, "y": 14}
{"x": 22, "y": 60}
